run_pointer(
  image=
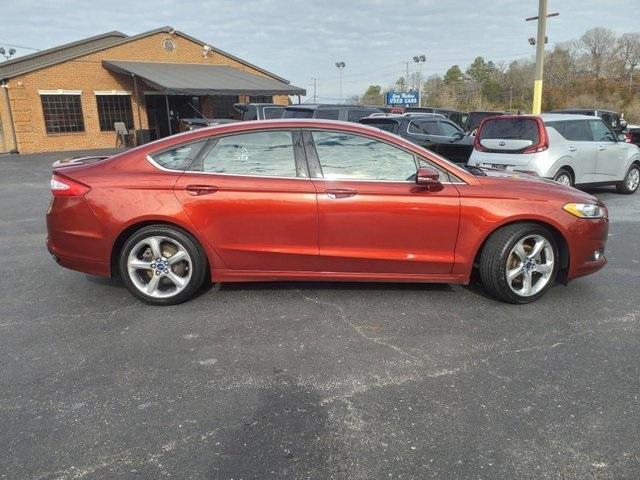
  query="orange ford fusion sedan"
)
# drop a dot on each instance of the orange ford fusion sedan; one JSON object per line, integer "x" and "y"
{"x": 314, "y": 200}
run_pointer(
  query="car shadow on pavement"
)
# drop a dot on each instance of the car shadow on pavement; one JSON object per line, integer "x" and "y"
{"x": 332, "y": 285}
{"x": 289, "y": 434}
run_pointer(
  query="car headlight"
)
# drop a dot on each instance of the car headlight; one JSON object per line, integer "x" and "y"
{"x": 586, "y": 210}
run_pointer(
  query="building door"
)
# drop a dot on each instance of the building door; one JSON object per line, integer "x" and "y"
{"x": 180, "y": 106}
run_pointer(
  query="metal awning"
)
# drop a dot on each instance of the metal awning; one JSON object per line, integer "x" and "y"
{"x": 201, "y": 79}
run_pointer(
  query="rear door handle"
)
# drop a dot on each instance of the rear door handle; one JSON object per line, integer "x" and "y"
{"x": 600, "y": 147}
{"x": 340, "y": 192}
{"x": 572, "y": 149}
{"x": 201, "y": 189}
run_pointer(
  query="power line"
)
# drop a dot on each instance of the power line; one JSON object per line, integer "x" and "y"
{"x": 19, "y": 46}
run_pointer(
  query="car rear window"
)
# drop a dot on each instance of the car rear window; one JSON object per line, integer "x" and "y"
{"x": 510, "y": 129}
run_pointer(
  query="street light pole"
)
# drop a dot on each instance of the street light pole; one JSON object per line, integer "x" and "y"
{"x": 340, "y": 66}
{"x": 420, "y": 59}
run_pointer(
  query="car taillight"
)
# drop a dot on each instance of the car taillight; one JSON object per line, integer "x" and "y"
{"x": 543, "y": 142}
{"x": 628, "y": 137}
{"x": 65, "y": 187}
{"x": 476, "y": 142}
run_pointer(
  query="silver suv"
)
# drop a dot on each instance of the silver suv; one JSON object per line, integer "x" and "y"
{"x": 570, "y": 149}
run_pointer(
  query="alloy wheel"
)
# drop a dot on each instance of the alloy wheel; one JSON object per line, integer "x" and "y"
{"x": 564, "y": 179}
{"x": 530, "y": 265}
{"x": 633, "y": 179}
{"x": 159, "y": 266}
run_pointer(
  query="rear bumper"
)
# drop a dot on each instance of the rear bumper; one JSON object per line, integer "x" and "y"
{"x": 587, "y": 237}
{"x": 75, "y": 238}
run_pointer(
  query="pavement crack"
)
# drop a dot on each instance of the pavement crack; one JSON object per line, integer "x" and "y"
{"x": 358, "y": 329}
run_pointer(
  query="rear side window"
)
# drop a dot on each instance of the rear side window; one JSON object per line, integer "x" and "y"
{"x": 424, "y": 127}
{"x": 387, "y": 126}
{"x": 577, "y": 131}
{"x": 327, "y": 113}
{"x": 180, "y": 157}
{"x": 510, "y": 129}
{"x": 268, "y": 154}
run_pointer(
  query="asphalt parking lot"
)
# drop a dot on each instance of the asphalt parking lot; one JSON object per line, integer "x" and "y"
{"x": 311, "y": 380}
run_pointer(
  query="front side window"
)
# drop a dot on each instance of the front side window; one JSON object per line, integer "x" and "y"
{"x": 112, "y": 109}
{"x": 268, "y": 154}
{"x": 600, "y": 131}
{"x": 62, "y": 113}
{"x": 353, "y": 157}
{"x": 448, "y": 130}
{"x": 180, "y": 157}
{"x": 424, "y": 128}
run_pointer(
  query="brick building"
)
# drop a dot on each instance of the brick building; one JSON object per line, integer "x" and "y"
{"x": 69, "y": 97}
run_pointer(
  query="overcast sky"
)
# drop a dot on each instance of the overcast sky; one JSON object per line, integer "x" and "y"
{"x": 301, "y": 39}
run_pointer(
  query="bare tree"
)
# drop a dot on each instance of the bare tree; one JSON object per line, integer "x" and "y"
{"x": 628, "y": 53}
{"x": 600, "y": 43}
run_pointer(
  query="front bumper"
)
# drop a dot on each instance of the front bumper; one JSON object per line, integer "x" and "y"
{"x": 586, "y": 238}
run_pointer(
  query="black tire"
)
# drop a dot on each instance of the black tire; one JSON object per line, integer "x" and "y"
{"x": 197, "y": 267}
{"x": 623, "y": 186}
{"x": 495, "y": 255}
{"x": 564, "y": 173}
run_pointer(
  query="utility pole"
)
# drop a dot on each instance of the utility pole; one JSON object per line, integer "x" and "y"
{"x": 340, "y": 66}
{"x": 540, "y": 44}
{"x": 315, "y": 89}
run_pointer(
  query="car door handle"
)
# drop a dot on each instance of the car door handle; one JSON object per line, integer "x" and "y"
{"x": 201, "y": 189}
{"x": 340, "y": 192}
{"x": 572, "y": 149}
{"x": 600, "y": 147}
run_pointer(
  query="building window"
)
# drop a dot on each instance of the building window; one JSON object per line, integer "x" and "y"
{"x": 62, "y": 113}
{"x": 114, "y": 108}
{"x": 260, "y": 99}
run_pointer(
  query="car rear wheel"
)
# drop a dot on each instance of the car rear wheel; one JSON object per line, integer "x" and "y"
{"x": 631, "y": 180}
{"x": 564, "y": 177}
{"x": 519, "y": 263}
{"x": 162, "y": 265}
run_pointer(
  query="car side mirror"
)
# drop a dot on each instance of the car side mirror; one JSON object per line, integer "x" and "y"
{"x": 428, "y": 177}
{"x": 622, "y": 137}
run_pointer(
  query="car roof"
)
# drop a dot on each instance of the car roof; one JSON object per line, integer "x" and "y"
{"x": 567, "y": 110}
{"x": 559, "y": 117}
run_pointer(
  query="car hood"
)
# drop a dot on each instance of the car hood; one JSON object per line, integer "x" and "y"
{"x": 533, "y": 185}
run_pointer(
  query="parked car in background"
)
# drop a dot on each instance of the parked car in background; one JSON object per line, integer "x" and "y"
{"x": 354, "y": 204}
{"x": 346, "y": 113}
{"x": 432, "y": 131}
{"x": 188, "y": 124}
{"x": 632, "y": 135}
{"x": 258, "y": 111}
{"x": 456, "y": 116}
{"x": 570, "y": 149}
{"x": 474, "y": 119}
{"x": 615, "y": 121}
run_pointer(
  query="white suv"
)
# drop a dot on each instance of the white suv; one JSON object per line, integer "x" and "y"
{"x": 570, "y": 149}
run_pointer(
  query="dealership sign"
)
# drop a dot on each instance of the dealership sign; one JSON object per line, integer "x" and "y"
{"x": 402, "y": 98}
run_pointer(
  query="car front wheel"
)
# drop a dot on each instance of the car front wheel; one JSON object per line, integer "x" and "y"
{"x": 631, "y": 180}
{"x": 162, "y": 265}
{"x": 519, "y": 263}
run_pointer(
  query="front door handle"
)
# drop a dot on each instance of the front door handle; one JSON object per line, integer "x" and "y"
{"x": 600, "y": 147}
{"x": 572, "y": 149}
{"x": 340, "y": 192}
{"x": 201, "y": 189}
